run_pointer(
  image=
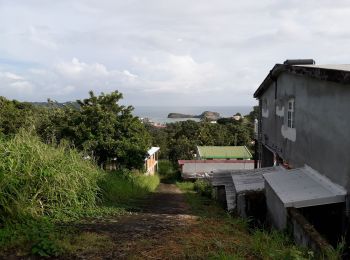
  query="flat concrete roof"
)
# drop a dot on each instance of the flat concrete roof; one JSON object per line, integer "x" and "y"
{"x": 304, "y": 187}
{"x": 251, "y": 180}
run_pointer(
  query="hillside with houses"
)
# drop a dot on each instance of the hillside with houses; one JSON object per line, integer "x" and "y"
{"x": 92, "y": 180}
{"x": 177, "y": 130}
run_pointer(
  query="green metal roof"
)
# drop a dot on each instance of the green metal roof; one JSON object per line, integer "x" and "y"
{"x": 224, "y": 152}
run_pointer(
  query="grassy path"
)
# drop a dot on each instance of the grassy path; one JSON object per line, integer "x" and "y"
{"x": 141, "y": 235}
{"x": 178, "y": 225}
{"x": 174, "y": 224}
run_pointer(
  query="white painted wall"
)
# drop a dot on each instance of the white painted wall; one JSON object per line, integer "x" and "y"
{"x": 189, "y": 168}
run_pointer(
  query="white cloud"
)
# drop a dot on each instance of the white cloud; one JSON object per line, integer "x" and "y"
{"x": 200, "y": 53}
{"x": 10, "y": 76}
{"x": 76, "y": 69}
{"x": 41, "y": 37}
{"x": 22, "y": 86}
{"x": 176, "y": 74}
{"x": 129, "y": 74}
{"x": 14, "y": 84}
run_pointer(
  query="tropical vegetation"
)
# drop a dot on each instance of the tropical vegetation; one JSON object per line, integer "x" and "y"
{"x": 50, "y": 174}
{"x": 179, "y": 140}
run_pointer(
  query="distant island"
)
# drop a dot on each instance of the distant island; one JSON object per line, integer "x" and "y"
{"x": 205, "y": 115}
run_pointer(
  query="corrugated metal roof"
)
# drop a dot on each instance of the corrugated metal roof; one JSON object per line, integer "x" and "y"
{"x": 225, "y": 178}
{"x": 251, "y": 180}
{"x": 304, "y": 187}
{"x": 181, "y": 162}
{"x": 224, "y": 152}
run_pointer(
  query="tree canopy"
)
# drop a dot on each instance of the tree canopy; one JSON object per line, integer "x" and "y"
{"x": 99, "y": 126}
{"x": 179, "y": 140}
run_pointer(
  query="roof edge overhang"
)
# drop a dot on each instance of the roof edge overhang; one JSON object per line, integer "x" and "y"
{"x": 153, "y": 150}
{"x": 304, "y": 187}
{"x": 333, "y": 75}
{"x": 273, "y": 74}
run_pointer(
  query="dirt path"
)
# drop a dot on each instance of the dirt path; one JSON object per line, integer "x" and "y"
{"x": 136, "y": 235}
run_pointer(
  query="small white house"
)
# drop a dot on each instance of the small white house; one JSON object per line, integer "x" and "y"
{"x": 151, "y": 160}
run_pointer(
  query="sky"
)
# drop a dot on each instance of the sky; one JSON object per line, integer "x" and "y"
{"x": 162, "y": 52}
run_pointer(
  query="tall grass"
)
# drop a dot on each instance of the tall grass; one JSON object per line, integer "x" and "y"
{"x": 236, "y": 239}
{"x": 168, "y": 172}
{"x": 37, "y": 179}
{"x": 41, "y": 185}
{"x": 203, "y": 187}
{"x": 120, "y": 187}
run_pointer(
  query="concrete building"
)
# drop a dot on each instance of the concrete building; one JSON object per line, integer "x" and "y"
{"x": 151, "y": 160}
{"x": 303, "y": 120}
{"x": 211, "y": 158}
{"x": 194, "y": 169}
{"x": 242, "y": 191}
{"x": 237, "y": 117}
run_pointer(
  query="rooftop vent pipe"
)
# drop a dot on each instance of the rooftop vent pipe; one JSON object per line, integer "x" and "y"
{"x": 299, "y": 62}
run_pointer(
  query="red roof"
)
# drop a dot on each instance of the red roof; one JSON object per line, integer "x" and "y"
{"x": 182, "y": 162}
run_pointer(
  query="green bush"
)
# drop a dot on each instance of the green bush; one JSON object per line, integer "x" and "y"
{"x": 38, "y": 236}
{"x": 167, "y": 171}
{"x": 37, "y": 179}
{"x": 203, "y": 187}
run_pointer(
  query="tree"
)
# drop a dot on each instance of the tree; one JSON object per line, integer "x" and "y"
{"x": 180, "y": 139}
{"x": 254, "y": 114}
{"x": 101, "y": 128}
{"x": 15, "y": 115}
{"x": 160, "y": 138}
{"x": 109, "y": 130}
{"x": 182, "y": 148}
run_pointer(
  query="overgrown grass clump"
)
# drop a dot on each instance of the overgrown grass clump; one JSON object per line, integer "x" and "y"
{"x": 167, "y": 172}
{"x": 203, "y": 187}
{"x": 229, "y": 237}
{"x": 37, "y": 179}
{"x": 122, "y": 187}
{"x": 42, "y": 187}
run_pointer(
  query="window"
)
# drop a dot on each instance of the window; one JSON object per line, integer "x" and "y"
{"x": 290, "y": 115}
{"x": 264, "y": 105}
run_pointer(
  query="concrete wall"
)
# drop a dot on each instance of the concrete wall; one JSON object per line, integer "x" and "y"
{"x": 322, "y": 125}
{"x": 276, "y": 212}
{"x": 291, "y": 219}
{"x": 252, "y": 205}
{"x": 305, "y": 234}
{"x": 189, "y": 168}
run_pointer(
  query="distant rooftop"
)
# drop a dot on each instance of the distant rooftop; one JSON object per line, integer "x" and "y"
{"x": 182, "y": 162}
{"x": 224, "y": 152}
{"x": 153, "y": 150}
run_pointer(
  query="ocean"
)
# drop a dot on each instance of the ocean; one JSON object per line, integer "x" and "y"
{"x": 159, "y": 114}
